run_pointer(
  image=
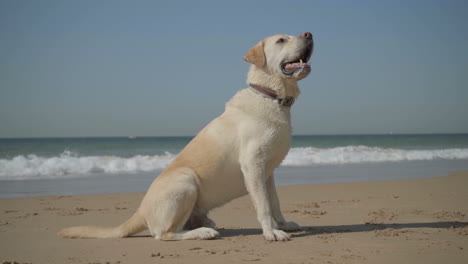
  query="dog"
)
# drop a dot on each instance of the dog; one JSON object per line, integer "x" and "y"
{"x": 233, "y": 155}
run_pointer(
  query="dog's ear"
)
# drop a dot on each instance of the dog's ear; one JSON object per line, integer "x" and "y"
{"x": 256, "y": 55}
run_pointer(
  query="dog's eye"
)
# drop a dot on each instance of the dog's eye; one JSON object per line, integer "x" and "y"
{"x": 281, "y": 40}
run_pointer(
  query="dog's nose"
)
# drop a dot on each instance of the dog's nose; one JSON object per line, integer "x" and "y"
{"x": 306, "y": 35}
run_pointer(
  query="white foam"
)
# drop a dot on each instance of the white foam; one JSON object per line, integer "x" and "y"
{"x": 363, "y": 154}
{"x": 69, "y": 164}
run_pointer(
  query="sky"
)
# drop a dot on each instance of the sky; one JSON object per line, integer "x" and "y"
{"x": 166, "y": 68}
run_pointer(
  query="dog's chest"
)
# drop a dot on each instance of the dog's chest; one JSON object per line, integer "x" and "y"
{"x": 264, "y": 126}
{"x": 276, "y": 144}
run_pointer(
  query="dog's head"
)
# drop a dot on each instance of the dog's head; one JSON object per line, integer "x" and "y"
{"x": 283, "y": 55}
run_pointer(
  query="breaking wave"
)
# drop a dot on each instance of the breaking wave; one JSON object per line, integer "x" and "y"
{"x": 363, "y": 154}
{"x": 70, "y": 164}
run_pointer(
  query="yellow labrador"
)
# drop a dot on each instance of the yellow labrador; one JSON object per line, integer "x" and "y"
{"x": 233, "y": 155}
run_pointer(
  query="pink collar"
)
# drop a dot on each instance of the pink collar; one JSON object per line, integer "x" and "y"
{"x": 287, "y": 101}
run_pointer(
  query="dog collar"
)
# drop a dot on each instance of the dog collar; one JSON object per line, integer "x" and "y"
{"x": 288, "y": 101}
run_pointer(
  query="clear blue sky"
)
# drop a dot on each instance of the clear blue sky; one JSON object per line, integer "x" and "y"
{"x": 159, "y": 68}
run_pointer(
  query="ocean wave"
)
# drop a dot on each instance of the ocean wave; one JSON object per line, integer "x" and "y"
{"x": 363, "y": 154}
{"x": 69, "y": 164}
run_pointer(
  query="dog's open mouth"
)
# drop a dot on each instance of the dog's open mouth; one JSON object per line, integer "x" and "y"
{"x": 289, "y": 68}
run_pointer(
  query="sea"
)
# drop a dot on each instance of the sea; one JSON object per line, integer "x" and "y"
{"x": 70, "y": 166}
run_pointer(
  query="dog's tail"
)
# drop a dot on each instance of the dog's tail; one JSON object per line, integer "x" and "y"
{"x": 134, "y": 225}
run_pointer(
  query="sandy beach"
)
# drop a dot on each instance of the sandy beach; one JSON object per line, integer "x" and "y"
{"x": 412, "y": 221}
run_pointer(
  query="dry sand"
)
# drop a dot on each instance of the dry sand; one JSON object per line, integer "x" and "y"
{"x": 417, "y": 221}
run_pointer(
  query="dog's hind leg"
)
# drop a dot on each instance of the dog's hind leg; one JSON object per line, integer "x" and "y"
{"x": 199, "y": 219}
{"x": 173, "y": 205}
{"x": 199, "y": 233}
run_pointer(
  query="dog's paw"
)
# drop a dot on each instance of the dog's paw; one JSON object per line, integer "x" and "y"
{"x": 290, "y": 226}
{"x": 207, "y": 233}
{"x": 276, "y": 235}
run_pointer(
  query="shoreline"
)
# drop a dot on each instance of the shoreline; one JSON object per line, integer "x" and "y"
{"x": 284, "y": 176}
{"x": 404, "y": 221}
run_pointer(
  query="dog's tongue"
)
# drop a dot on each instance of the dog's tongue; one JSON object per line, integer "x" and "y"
{"x": 292, "y": 67}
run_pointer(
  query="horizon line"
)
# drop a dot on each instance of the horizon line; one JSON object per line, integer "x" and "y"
{"x": 294, "y": 135}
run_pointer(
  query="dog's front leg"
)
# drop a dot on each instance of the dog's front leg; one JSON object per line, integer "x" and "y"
{"x": 256, "y": 183}
{"x": 275, "y": 207}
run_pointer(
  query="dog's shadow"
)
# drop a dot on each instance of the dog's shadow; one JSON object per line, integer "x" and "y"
{"x": 320, "y": 230}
